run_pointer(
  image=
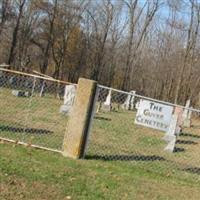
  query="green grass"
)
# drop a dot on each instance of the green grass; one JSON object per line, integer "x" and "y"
{"x": 34, "y": 174}
{"x": 124, "y": 161}
{"x": 40, "y": 116}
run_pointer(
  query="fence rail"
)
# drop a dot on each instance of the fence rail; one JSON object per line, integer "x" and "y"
{"x": 30, "y": 109}
{"x": 30, "y": 114}
{"x": 116, "y": 137}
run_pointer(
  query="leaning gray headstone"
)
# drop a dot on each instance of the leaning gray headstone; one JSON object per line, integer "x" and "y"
{"x": 69, "y": 95}
{"x": 106, "y": 106}
{"x": 171, "y": 145}
{"x": 129, "y": 102}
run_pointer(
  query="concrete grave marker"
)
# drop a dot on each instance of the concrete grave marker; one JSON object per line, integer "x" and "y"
{"x": 154, "y": 115}
{"x": 106, "y": 106}
{"x": 69, "y": 95}
{"x": 137, "y": 105}
{"x": 185, "y": 114}
{"x": 179, "y": 112}
{"x": 187, "y": 121}
{"x": 171, "y": 145}
{"x": 19, "y": 93}
{"x": 129, "y": 102}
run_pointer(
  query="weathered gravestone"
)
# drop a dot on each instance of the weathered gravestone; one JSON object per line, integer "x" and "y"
{"x": 69, "y": 95}
{"x": 179, "y": 112}
{"x": 129, "y": 102}
{"x": 187, "y": 120}
{"x": 106, "y": 106}
{"x": 170, "y": 136}
{"x": 137, "y": 105}
{"x": 43, "y": 86}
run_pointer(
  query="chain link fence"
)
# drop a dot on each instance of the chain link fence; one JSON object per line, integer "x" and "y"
{"x": 116, "y": 137}
{"x": 30, "y": 109}
{"x": 33, "y": 111}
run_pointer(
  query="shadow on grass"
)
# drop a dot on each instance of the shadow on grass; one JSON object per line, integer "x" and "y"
{"x": 24, "y": 130}
{"x": 195, "y": 126}
{"x": 186, "y": 142}
{"x": 178, "y": 149}
{"x": 125, "y": 158}
{"x": 102, "y": 118}
{"x": 193, "y": 170}
{"x": 189, "y": 135}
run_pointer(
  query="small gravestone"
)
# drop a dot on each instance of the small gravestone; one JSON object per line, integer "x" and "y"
{"x": 42, "y": 89}
{"x": 129, "y": 102}
{"x": 69, "y": 95}
{"x": 106, "y": 106}
{"x": 19, "y": 93}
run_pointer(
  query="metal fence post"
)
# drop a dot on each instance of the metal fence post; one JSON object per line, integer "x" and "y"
{"x": 77, "y": 131}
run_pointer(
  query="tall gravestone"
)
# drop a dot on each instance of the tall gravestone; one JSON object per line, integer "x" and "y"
{"x": 69, "y": 95}
{"x": 129, "y": 102}
{"x": 179, "y": 112}
{"x": 186, "y": 122}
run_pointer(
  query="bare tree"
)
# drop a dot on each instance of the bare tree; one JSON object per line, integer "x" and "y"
{"x": 11, "y": 56}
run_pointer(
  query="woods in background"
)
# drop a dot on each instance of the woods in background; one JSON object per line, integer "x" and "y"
{"x": 152, "y": 47}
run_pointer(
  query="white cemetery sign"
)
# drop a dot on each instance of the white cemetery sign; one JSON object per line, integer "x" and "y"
{"x": 154, "y": 115}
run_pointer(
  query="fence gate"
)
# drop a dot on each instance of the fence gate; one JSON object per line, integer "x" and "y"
{"x": 29, "y": 110}
{"x": 115, "y": 137}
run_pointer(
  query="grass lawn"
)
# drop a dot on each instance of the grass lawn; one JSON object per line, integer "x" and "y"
{"x": 33, "y": 120}
{"x": 27, "y": 173}
{"x": 123, "y": 160}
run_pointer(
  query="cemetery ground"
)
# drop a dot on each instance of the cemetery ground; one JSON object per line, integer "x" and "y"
{"x": 123, "y": 160}
{"x": 27, "y": 173}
